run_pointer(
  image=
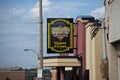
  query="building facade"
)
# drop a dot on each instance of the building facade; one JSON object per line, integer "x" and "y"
{"x": 112, "y": 24}
{"x": 94, "y": 53}
{"x": 90, "y": 49}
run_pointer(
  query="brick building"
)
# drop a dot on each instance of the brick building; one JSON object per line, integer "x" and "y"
{"x": 12, "y": 75}
{"x": 17, "y": 73}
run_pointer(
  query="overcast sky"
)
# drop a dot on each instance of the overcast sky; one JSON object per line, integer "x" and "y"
{"x": 19, "y": 27}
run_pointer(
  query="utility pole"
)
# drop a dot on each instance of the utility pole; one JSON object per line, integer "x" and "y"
{"x": 40, "y": 67}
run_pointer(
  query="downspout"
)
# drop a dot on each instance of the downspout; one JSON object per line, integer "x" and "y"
{"x": 104, "y": 63}
{"x": 104, "y": 42}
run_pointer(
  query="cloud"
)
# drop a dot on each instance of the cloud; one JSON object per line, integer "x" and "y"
{"x": 46, "y": 3}
{"x": 23, "y": 13}
{"x": 98, "y": 12}
{"x": 56, "y": 9}
{"x": 72, "y": 3}
{"x": 16, "y": 11}
{"x": 50, "y": 9}
{"x": 35, "y": 10}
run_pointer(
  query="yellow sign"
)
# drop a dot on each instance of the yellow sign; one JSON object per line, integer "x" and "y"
{"x": 60, "y": 35}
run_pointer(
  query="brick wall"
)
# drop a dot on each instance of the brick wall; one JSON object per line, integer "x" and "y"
{"x": 12, "y": 75}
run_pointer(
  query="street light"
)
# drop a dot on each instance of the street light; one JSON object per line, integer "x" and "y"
{"x": 32, "y": 51}
{"x": 37, "y": 56}
{"x": 40, "y": 55}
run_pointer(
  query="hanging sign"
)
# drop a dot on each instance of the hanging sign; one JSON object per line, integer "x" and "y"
{"x": 59, "y": 35}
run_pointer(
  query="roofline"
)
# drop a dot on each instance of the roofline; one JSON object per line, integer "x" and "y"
{"x": 85, "y": 18}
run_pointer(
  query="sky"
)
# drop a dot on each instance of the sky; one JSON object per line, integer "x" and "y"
{"x": 19, "y": 26}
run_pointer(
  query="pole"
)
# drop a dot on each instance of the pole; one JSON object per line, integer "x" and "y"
{"x": 40, "y": 65}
